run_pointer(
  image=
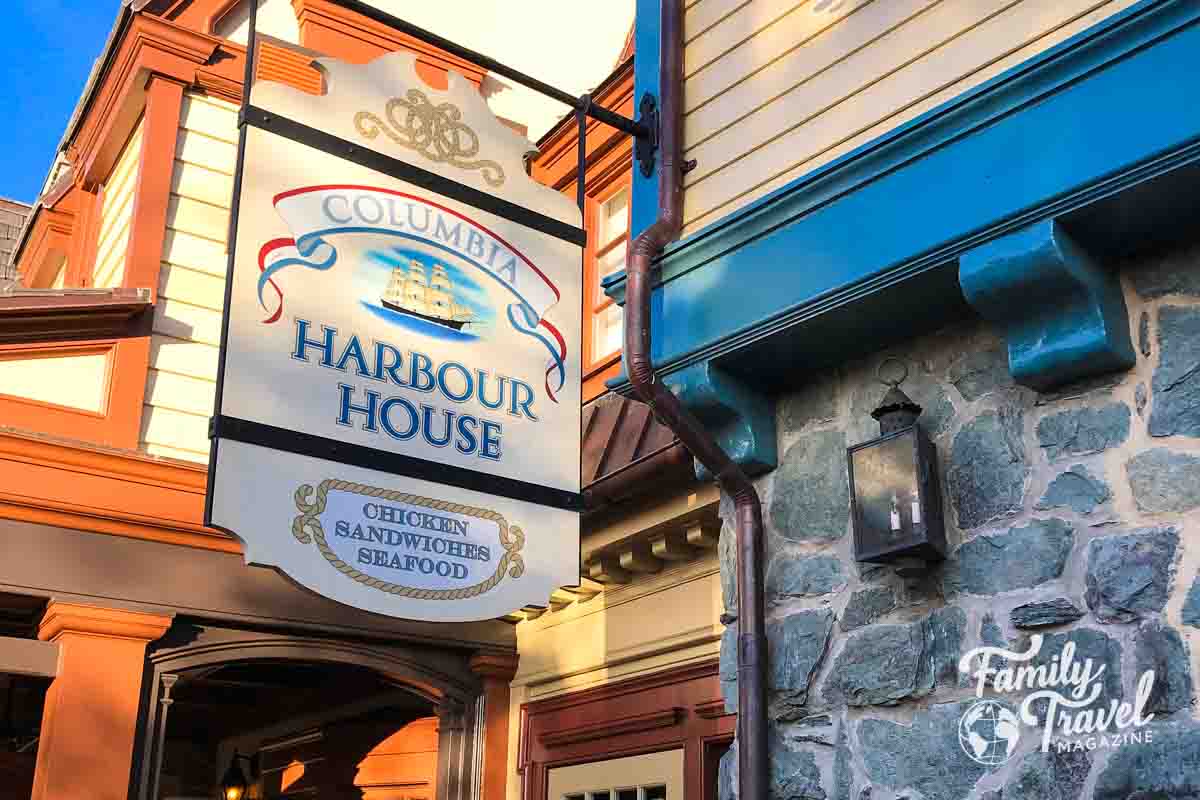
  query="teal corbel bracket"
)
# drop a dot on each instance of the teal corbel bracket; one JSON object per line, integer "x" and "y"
{"x": 742, "y": 420}
{"x": 1062, "y": 314}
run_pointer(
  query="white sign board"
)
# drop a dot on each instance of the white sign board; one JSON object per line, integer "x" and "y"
{"x": 399, "y": 400}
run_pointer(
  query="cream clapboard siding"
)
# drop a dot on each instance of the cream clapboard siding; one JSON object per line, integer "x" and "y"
{"x": 776, "y": 88}
{"x": 116, "y": 214}
{"x": 191, "y": 285}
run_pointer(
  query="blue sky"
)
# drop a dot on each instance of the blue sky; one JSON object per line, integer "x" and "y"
{"x": 48, "y": 54}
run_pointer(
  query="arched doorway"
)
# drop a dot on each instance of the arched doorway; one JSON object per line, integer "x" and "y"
{"x": 308, "y": 717}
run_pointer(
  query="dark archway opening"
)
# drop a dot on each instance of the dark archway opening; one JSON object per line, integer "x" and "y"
{"x": 311, "y": 729}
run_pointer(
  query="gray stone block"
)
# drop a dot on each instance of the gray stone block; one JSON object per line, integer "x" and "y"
{"x": 1101, "y": 648}
{"x": 986, "y": 476}
{"x": 926, "y": 757}
{"x": 796, "y": 645}
{"x": 1083, "y": 431}
{"x": 1191, "y": 606}
{"x": 811, "y": 499}
{"x": 813, "y": 729}
{"x": 1140, "y": 398}
{"x": 727, "y": 774}
{"x": 1159, "y": 649}
{"x": 881, "y": 665}
{"x": 727, "y": 668}
{"x": 1165, "y": 768}
{"x": 944, "y": 632}
{"x": 1058, "y": 611}
{"x": 1164, "y": 481}
{"x": 727, "y": 556}
{"x": 979, "y": 372}
{"x": 1019, "y": 559}
{"x": 1144, "y": 333}
{"x": 815, "y": 402}
{"x": 843, "y": 773}
{"x": 1128, "y": 576}
{"x": 795, "y": 775}
{"x": 1049, "y": 776}
{"x": 1077, "y": 489}
{"x": 867, "y": 606}
{"x": 1176, "y": 382}
{"x": 1174, "y": 273}
{"x": 804, "y": 577}
{"x": 990, "y": 632}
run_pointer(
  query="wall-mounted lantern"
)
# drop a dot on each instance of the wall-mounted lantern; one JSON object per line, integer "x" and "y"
{"x": 234, "y": 784}
{"x": 896, "y": 501}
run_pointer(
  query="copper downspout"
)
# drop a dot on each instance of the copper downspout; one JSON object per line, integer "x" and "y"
{"x": 752, "y": 706}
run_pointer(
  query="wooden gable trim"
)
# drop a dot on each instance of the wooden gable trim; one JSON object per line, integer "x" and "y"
{"x": 87, "y": 488}
{"x": 338, "y": 32}
{"x": 150, "y": 46}
{"x": 556, "y": 164}
{"x": 48, "y": 241}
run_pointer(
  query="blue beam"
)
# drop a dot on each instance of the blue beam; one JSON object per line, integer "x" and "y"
{"x": 867, "y": 246}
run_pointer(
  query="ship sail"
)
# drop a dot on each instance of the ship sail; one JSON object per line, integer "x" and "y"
{"x": 428, "y": 297}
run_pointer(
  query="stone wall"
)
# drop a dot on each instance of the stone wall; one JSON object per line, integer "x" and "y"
{"x": 1073, "y": 514}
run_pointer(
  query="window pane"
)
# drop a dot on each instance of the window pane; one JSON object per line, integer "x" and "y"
{"x": 610, "y": 262}
{"x": 614, "y": 217}
{"x": 573, "y": 797}
{"x": 606, "y": 333}
{"x": 627, "y": 794}
{"x": 601, "y": 796}
{"x": 655, "y": 792}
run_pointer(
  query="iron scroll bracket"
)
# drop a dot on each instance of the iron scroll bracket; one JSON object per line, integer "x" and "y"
{"x": 645, "y": 147}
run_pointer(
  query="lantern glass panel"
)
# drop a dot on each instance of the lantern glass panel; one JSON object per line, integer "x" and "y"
{"x": 888, "y": 502}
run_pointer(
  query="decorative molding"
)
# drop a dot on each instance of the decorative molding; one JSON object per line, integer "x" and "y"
{"x": 838, "y": 262}
{"x": 711, "y": 709}
{"x": 338, "y": 32}
{"x": 623, "y": 726}
{"x": 34, "y": 317}
{"x": 1062, "y": 315}
{"x": 610, "y": 691}
{"x": 73, "y": 618}
{"x": 495, "y": 666}
{"x": 122, "y": 493}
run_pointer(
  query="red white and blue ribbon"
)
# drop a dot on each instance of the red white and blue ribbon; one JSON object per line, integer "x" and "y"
{"x": 313, "y": 213}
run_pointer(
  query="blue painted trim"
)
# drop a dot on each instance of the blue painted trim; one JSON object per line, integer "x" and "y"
{"x": 644, "y": 192}
{"x": 741, "y": 420}
{"x": 1063, "y": 316}
{"x": 881, "y": 228}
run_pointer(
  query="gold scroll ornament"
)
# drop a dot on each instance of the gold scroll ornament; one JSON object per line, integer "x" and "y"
{"x": 433, "y": 131}
{"x": 307, "y": 527}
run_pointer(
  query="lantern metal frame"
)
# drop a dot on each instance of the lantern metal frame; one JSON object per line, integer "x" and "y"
{"x": 921, "y": 541}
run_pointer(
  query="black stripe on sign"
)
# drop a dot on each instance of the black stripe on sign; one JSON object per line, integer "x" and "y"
{"x": 395, "y": 168}
{"x": 357, "y": 455}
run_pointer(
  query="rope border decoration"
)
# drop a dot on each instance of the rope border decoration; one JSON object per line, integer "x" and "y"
{"x": 307, "y": 528}
{"x": 435, "y": 132}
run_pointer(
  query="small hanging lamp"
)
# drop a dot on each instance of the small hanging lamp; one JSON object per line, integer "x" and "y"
{"x": 896, "y": 499}
{"x": 233, "y": 784}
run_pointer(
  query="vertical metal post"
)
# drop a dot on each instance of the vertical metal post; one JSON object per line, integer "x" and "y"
{"x": 160, "y": 732}
{"x": 581, "y": 118}
{"x": 231, "y": 244}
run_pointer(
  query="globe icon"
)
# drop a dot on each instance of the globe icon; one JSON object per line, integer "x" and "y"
{"x": 988, "y": 732}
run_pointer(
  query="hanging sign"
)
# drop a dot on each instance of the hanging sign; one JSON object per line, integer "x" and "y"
{"x": 398, "y": 406}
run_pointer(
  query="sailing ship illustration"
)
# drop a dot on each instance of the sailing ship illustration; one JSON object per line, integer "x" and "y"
{"x": 410, "y": 291}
